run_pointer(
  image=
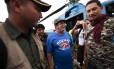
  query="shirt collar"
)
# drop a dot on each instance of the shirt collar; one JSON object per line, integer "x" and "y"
{"x": 11, "y": 30}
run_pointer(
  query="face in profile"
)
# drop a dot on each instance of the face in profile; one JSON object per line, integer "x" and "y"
{"x": 93, "y": 11}
{"x": 30, "y": 13}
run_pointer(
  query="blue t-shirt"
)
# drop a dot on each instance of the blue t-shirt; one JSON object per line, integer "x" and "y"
{"x": 60, "y": 46}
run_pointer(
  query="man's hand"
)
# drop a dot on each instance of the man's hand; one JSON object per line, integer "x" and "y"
{"x": 77, "y": 23}
{"x": 85, "y": 59}
{"x": 51, "y": 67}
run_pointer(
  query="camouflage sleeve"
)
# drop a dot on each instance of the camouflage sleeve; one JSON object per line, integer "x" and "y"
{"x": 108, "y": 29}
{"x": 109, "y": 25}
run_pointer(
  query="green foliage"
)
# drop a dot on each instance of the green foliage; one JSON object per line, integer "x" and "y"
{"x": 73, "y": 1}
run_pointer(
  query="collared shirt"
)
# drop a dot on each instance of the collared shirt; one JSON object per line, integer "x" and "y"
{"x": 26, "y": 42}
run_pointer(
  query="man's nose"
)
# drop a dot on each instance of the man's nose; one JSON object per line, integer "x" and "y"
{"x": 41, "y": 15}
{"x": 42, "y": 31}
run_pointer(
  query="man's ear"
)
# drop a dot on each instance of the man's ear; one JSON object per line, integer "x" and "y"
{"x": 55, "y": 26}
{"x": 102, "y": 7}
{"x": 16, "y": 5}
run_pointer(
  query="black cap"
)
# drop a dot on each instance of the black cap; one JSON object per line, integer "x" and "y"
{"x": 42, "y": 5}
{"x": 39, "y": 26}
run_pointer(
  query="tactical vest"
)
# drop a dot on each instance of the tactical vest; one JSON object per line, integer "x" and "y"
{"x": 16, "y": 57}
{"x": 102, "y": 55}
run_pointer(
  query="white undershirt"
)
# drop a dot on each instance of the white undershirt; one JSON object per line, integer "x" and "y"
{"x": 81, "y": 37}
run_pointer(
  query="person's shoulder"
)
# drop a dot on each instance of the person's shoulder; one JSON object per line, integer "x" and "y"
{"x": 45, "y": 35}
{"x": 51, "y": 35}
{"x": 110, "y": 20}
{"x": 70, "y": 32}
{"x": 66, "y": 32}
{"x": 1, "y": 23}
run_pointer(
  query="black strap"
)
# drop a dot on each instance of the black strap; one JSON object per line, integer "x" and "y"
{"x": 3, "y": 55}
{"x": 79, "y": 31}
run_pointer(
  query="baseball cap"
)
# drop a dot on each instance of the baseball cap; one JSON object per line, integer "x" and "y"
{"x": 39, "y": 26}
{"x": 42, "y": 5}
{"x": 58, "y": 20}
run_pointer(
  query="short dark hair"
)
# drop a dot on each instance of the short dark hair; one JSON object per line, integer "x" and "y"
{"x": 7, "y": 1}
{"x": 39, "y": 26}
{"x": 94, "y": 1}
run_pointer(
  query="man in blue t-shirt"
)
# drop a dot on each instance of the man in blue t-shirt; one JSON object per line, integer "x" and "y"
{"x": 60, "y": 49}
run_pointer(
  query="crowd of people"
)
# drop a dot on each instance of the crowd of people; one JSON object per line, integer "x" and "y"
{"x": 22, "y": 47}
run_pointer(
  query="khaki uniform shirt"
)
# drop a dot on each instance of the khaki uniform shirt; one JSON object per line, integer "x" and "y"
{"x": 26, "y": 42}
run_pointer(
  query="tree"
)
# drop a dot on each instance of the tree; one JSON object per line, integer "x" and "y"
{"x": 73, "y": 1}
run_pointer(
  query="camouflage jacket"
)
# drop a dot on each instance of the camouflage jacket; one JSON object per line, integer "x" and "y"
{"x": 102, "y": 55}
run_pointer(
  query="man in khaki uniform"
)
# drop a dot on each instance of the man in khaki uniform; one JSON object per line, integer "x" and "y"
{"x": 23, "y": 48}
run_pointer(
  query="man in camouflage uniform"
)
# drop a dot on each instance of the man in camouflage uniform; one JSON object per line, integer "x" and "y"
{"x": 99, "y": 50}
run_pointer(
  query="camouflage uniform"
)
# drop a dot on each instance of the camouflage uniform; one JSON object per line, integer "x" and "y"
{"x": 101, "y": 56}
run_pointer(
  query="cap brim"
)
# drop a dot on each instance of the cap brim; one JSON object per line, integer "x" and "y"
{"x": 43, "y": 6}
{"x": 59, "y": 21}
